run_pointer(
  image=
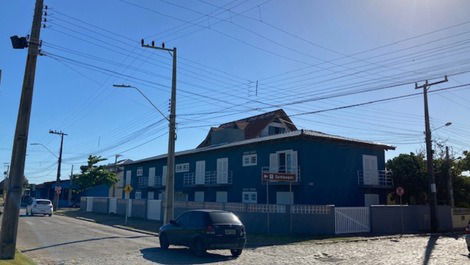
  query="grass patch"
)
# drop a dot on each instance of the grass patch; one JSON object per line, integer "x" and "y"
{"x": 20, "y": 259}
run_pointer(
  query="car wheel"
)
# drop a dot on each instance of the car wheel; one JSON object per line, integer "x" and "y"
{"x": 164, "y": 243}
{"x": 50, "y": 215}
{"x": 236, "y": 252}
{"x": 198, "y": 247}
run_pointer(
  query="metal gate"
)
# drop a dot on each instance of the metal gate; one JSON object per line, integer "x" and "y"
{"x": 352, "y": 220}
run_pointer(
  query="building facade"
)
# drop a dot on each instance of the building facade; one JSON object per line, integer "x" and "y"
{"x": 234, "y": 163}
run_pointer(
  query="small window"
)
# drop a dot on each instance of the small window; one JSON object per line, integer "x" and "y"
{"x": 184, "y": 167}
{"x": 250, "y": 160}
{"x": 138, "y": 195}
{"x": 140, "y": 171}
{"x": 250, "y": 197}
{"x": 275, "y": 130}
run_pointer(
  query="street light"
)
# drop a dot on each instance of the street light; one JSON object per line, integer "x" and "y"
{"x": 442, "y": 126}
{"x": 49, "y": 150}
{"x": 142, "y": 93}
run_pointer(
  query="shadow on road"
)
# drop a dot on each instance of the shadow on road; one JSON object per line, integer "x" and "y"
{"x": 81, "y": 241}
{"x": 429, "y": 248}
{"x": 180, "y": 256}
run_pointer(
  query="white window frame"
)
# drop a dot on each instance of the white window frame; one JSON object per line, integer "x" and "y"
{"x": 151, "y": 178}
{"x": 128, "y": 177}
{"x": 140, "y": 172}
{"x": 291, "y": 161}
{"x": 182, "y": 167}
{"x": 252, "y": 197}
{"x": 200, "y": 175}
{"x": 222, "y": 170}
{"x": 247, "y": 160}
{"x": 164, "y": 173}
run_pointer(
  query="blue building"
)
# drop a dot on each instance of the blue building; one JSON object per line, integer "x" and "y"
{"x": 236, "y": 159}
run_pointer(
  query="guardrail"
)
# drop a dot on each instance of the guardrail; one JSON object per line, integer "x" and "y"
{"x": 375, "y": 179}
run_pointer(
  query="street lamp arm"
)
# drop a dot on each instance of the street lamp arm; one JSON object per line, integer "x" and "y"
{"x": 49, "y": 150}
{"x": 149, "y": 101}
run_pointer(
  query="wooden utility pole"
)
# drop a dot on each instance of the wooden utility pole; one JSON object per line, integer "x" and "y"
{"x": 170, "y": 178}
{"x": 9, "y": 229}
{"x": 429, "y": 155}
{"x": 59, "y": 162}
{"x": 450, "y": 180}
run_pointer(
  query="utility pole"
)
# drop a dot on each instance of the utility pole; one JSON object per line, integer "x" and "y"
{"x": 59, "y": 163}
{"x": 116, "y": 172}
{"x": 5, "y": 180}
{"x": 170, "y": 178}
{"x": 12, "y": 205}
{"x": 70, "y": 187}
{"x": 450, "y": 180}
{"x": 429, "y": 155}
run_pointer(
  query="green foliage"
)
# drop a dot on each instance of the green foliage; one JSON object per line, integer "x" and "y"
{"x": 93, "y": 175}
{"x": 409, "y": 171}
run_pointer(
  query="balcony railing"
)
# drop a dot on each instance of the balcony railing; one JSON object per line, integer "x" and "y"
{"x": 210, "y": 179}
{"x": 375, "y": 179}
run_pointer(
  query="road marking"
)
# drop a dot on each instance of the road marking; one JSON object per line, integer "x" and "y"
{"x": 28, "y": 222}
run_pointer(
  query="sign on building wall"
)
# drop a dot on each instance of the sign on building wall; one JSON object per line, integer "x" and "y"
{"x": 274, "y": 177}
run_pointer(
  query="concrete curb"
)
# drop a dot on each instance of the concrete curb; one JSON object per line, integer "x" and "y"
{"x": 115, "y": 226}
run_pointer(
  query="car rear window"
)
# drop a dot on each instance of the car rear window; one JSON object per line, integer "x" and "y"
{"x": 221, "y": 217}
{"x": 43, "y": 202}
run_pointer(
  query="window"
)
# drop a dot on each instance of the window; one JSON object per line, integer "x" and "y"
{"x": 224, "y": 218}
{"x": 140, "y": 171}
{"x": 199, "y": 196}
{"x": 272, "y": 130}
{"x": 222, "y": 171}
{"x": 200, "y": 172}
{"x": 250, "y": 160}
{"x": 142, "y": 181}
{"x": 128, "y": 177}
{"x": 164, "y": 173}
{"x": 283, "y": 197}
{"x": 283, "y": 162}
{"x": 184, "y": 167}
{"x": 221, "y": 196}
{"x": 249, "y": 197}
{"x": 150, "y": 195}
{"x": 151, "y": 180}
{"x": 138, "y": 195}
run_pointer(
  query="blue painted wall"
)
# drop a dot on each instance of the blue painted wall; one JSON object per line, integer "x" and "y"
{"x": 328, "y": 171}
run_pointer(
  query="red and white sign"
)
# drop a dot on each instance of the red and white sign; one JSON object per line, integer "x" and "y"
{"x": 400, "y": 191}
{"x": 277, "y": 177}
{"x": 58, "y": 189}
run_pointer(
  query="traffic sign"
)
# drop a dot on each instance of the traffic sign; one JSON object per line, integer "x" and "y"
{"x": 400, "y": 191}
{"x": 128, "y": 188}
{"x": 58, "y": 189}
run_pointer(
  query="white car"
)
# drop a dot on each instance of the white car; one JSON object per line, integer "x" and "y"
{"x": 39, "y": 206}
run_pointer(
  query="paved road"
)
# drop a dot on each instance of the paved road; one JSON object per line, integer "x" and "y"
{"x": 64, "y": 240}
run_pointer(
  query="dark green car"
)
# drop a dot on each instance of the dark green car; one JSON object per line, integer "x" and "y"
{"x": 201, "y": 230}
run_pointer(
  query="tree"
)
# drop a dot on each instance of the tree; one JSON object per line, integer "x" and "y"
{"x": 93, "y": 175}
{"x": 409, "y": 172}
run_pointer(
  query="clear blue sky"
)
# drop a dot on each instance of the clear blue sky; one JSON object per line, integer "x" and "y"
{"x": 297, "y": 50}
